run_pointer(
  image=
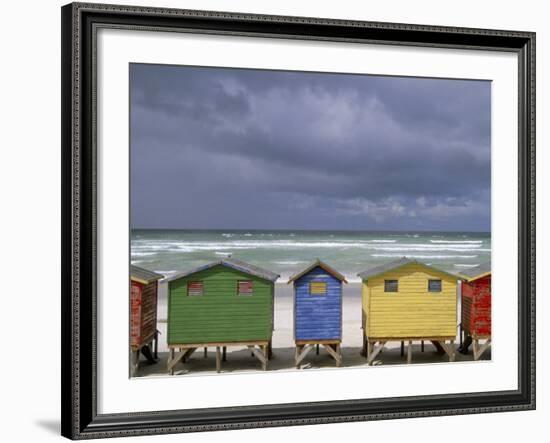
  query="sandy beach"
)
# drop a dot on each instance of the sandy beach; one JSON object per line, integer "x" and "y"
{"x": 239, "y": 359}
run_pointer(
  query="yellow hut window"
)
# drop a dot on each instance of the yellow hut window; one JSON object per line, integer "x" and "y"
{"x": 195, "y": 288}
{"x": 434, "y": 285}
{"x": 317, "y": 288}
{"x": 245, "y": 287}
{"x": 391, "y": 286}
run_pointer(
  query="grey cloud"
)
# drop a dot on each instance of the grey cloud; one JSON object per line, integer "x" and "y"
{"x": 230, "y": 142}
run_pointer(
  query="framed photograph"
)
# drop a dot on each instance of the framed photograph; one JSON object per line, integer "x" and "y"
{"x": 274, "y": 221}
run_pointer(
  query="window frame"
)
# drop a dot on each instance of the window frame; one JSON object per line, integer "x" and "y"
{"x": 430, "y": 280}
{"x": 318, "y": 294}
{"x": 245, "y": 294}
{"x": 386, "y": 283}
{"x": 201, "y": 282}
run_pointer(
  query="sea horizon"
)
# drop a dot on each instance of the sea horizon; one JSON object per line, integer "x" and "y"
{"x": 286, "y": 251}
{"x": 313, "y": 230}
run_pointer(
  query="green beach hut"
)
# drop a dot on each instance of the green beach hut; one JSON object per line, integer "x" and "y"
{"x": 224, "y": 303}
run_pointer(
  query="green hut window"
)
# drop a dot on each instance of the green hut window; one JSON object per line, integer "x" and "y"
{"x": 245, "y": 287}
{"x": 434, "y": 285}
{"x": 390, "y": 286}
{"x": 195, "y": 288}
{"x": 317, "y": 288}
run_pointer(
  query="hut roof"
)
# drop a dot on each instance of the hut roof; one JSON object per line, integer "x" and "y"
{"x": 480, "y": 271}
{"x": 322, "y": 265}
{"x": 232, "y": 263}
{"x": 144, "y": 275}
{"x": 395, "y": 264}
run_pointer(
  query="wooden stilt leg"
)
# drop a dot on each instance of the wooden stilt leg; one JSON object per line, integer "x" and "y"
{"x": 183, "y": 359}
{"x": 134, "y": 363}
{"x": 476, "y": 348}
{"x": 409, "y": 352}
{"x": 317, "y": 349}
{"x": 373, "y": 351}
{"x": 205, "y": 352}
{"x": 333, "y": 351}
{"x": 369, "y": 352}
{"x": 481, "y": 349}
{"x": 173, "y": 360}
{"x": 301, "y": 352}
{"x": 264, "y": 363}
{"x": 339, "y": 353}
{"x": 170, "y": 358}
{"x": 296, "y": 355}
{"x": 224, "y": 353}
{"x": 156, "y": 347}
{"x": 218, "y": 360}
{"x": 270, "y": 350}
{"x": 260, "y": 353}
{"x": 402, "y": 348}
{"x": 422, "y": 346}
{"x": 449, "y": 349}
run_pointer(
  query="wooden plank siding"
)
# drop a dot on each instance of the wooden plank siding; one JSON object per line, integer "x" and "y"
{"x": 143, "y": 312}
{"x": 476, "y": 307}
{"x": 317, "y": 316}
{"x": 220, "y": 314}
{"x": 466, "y": 311}
{"x": 412, "y": 311}
{"x": 364, "y": 305}
{"x": 148, "y": 310}
{"x": 135, "y": 314}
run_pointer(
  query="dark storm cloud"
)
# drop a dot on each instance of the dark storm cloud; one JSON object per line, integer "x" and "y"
{"x": 229, "y": 148}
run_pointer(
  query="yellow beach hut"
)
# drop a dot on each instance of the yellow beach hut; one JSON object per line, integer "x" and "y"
{"x": 406, "y": 300}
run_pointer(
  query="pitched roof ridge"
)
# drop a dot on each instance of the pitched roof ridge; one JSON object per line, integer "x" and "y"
{"x": 477, "y": 271}
{"x": 233, "y": 263}
{"x": 143, "y": 274}
{"x": 395, "y": 264}
{"x": 318, "y": 263}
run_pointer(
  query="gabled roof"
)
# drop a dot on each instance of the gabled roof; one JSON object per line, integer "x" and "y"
{"x": 144, "y": 276}
{"x": 322, "y": 265}
{"x": 480, "y": 271}
{"x": 395, "y": 264}
{"x": 232, "y": 263}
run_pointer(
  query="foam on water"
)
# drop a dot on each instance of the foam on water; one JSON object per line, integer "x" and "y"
{"x": 456, "y": 241}
{"x": 285, "y": 252}
{"x": 444, "y": 257}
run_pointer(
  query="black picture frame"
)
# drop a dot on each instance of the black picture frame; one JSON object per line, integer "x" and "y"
{"x": 79, "y": 390}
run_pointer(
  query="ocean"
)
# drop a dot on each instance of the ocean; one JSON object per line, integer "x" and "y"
{"x": 286, "y": 252}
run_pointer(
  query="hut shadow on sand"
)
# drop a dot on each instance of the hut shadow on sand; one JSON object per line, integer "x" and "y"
{"x": 241, "y": 361}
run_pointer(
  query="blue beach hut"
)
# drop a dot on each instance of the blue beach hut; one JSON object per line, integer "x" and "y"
{"x": 317, "y": 310}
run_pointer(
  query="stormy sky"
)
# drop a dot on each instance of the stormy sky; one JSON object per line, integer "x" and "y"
{"x": 215, "y": 148}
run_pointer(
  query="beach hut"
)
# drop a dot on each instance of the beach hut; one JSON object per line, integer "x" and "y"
{"x": 406, "y": 300}
{"x": 224, "y": 303}
{"x": 143, "y": 315}
{"x": 476, "y": 309}
{"x": 317, "y": 310}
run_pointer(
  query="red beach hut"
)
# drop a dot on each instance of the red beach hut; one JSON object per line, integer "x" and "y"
{"x": 476, "y": 309}
{"x": 143, "y": 315}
